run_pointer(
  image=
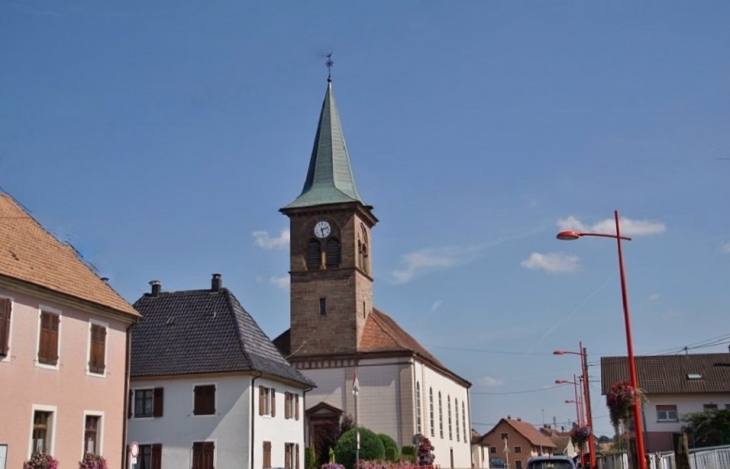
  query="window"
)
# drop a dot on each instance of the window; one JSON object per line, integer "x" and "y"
{"x": 150, "y": 457}
{"x": 48, "y": 340}
{"x": 456, "y": 413}
{"x": 203, "y": 455}
{"x": 709, "y": 407}
{"x": 463, "y": 420}
{"x": 448, "y": 408}
{"x": 267, "y": 454}
{"x": 430, "y": 410}
{"x": 504, "y": 436}
{"x": 148, "y": 402}
{"x": 291, "y": 406}
{"x": 492, "y": 450}
{"x": 666, "y": 413}
{"x": 92, "y": 430}
{"x": 314, "y": 255}
{"x": 332, "y": 253}
{"x": 418, "y": 407}
{"x": 291, "y": 456}
{"x": 518, "y": 464}
{"x": 362, "y": 249}
{"x": 267, "y": 402}
{"x": 518, "y": 449}
{"x": 323, "y": 306}
{"x": 204, "y": 399}
{"x": 441, "y": 417}
{"x": 97, "y": 349}
{"x": 4, "y": 326}
{"x": 42, "y": 427}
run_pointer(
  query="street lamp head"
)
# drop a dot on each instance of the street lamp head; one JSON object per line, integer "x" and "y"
{"x": 559, "y": 352}
{"x": 569, "y": 235}
{"x": 561, "y": 381}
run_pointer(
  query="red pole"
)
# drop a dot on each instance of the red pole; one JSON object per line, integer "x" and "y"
{"x": 630, "y": 346}
{"x": 577, "y": 402}
{"x": 587, "y": 396}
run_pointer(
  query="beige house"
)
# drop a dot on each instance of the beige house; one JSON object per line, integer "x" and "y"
{"x": 63, "y": 343}
{"x": 515, "y": 441}
{"x": 674, "y": 385}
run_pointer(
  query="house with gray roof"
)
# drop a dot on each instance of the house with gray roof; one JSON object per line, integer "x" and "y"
{"x": 208, "y": 388}
{"x": 674, "y": 385}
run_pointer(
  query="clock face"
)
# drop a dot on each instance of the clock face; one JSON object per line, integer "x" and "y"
{"x": 322, "y": 229}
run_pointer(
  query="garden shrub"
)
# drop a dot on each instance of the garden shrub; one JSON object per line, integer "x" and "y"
{"x": 391, "y": 447}
{"x": 371, "y": 448}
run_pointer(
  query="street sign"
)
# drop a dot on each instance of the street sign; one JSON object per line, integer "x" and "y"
{"x": 134, "y": 450}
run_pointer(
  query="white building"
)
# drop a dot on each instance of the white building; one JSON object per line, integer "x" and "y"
{"x": 208, "y": 388}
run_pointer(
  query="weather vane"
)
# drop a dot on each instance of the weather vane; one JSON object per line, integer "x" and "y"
{"x": 329, "y": 65}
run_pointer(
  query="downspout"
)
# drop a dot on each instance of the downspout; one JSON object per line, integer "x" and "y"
{"x": 253, "y": 417}
{"x": 468, "y": 428}
{"x": 127, "y": 370}
{"x": 304, "y": 424}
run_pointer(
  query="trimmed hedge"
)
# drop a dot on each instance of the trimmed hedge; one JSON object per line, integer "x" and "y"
{"x": 391, "y": 447}
{"x": 371, "y": 448}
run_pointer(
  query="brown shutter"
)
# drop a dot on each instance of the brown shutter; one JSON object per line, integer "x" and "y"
{"x": 296, "y": 456}
{"x": 55, "y": 322}
{"x": 287, "y": 456}
{"x": 48, "y": 348}
{"x": 197, "y": 455}
{"x": 129, "y": 404}
{"x": 261, "y": 400}
{"x": 97, "y": 351}
{"x": 4, "y": 326}
{"x": 296, "y": 406}
{"x": 208, "y": 454}
{"x": 267, "y": 454}
{"x": 273, "y": 402}
{"x": 287, "y": 405}
{"x": 158, "y": 402}
{"x": 156, "y": 456}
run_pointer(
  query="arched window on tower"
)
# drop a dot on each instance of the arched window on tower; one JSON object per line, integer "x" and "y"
{"x": 362, "y": 249}
{"x": 314, "y": 255}
{"x": 333, "y": 253}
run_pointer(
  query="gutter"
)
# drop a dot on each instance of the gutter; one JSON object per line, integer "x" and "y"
{"x": 253, "y": 417}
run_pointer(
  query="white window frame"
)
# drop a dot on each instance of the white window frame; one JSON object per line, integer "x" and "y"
{"x": 48, "y": 309}
{"x": 3, "y": 455}
{"x": 99, "y": 431}
{"x": 54, "y": 424}
{"x": 667, "y": 417}
{"x": 6, "y": 358}
{"x": 92, "y": 322}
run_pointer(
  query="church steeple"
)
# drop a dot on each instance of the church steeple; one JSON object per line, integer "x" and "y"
{"x": 329, "y": 178}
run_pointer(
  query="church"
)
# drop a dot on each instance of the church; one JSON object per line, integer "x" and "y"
{"x": 339, "y": 339}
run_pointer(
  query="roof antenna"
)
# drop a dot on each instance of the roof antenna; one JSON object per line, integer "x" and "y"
{"x": 329, "y": 65}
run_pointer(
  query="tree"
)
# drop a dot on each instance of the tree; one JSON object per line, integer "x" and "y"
{"x": 329, "y": 436}
{"x": 371, "y": 448}
{"x": 708, "y": 428}
{"x": 604, "y": 439}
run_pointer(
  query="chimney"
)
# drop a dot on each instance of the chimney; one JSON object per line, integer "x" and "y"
{"x": 156, "y": 287}
{"x": 216, "y": 283}
{"x": 105, "y": 279}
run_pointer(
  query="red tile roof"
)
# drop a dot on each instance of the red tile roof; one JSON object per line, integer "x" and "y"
{"x": 383, "y": 334}
{"x": 528, "y": 431}
{"x": 668, "y": 374}
{"x": 31, "y": 254}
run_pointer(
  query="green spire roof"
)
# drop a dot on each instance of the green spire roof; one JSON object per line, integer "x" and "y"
{"x": 329, "y": 178}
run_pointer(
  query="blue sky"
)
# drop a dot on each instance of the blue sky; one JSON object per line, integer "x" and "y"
{"x": 161, "y": 138}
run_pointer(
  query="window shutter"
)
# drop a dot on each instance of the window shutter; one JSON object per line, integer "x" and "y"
{"x": 314, "y": 255}
{"x": 273, "y": 402}
{"x": 156, "y": 456}
{"x": 4, "y": 325}
{"x": 287, "y": 405}
{"x": 55, "y": 321}
{"x": 296, "y": 406}
{"x": 261, "y": 400}
{"x": 158, "y": 402}
{"x": 130, "y": 403}
{"x": 197, "y": 455}
{"x": 333, "y": 252}
{"x": 97, "y": 350}
{"x": 48, "y": 347}
{"x": 208, "y": 454}
{"x": 296, "y": 456}
{"x": 287, "y": 456}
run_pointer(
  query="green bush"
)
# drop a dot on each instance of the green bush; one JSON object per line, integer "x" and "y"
{"x": 371, "y": 448}
{"x": 408, "y": 453}
{"x": 391, "y": 447}
{"x": 310, "y": 461}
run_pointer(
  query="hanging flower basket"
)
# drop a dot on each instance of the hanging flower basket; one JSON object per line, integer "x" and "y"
{"x": 579, "y": 436}
{"x": 41, "y": 461}
{"x": 620, "y": 400}
{"x": 92, "y": 461}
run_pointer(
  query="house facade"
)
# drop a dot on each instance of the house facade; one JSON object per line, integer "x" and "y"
{"x": 674, "y": 385}
{"x": 337, "y": 334}
{"x": 514, "y": 442}
{"x": 63, "y": 349}
{"x": 208, "y": 388}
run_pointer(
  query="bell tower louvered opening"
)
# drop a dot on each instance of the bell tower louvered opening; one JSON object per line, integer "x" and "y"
{"x": 333, "y": 252}
{"x": 314, "y": 255}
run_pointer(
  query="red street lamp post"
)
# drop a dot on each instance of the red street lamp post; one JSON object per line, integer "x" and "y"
{"x": 578, "y": 406}
{"x": 586, "y": 396}
{"x": 572, "y": 235}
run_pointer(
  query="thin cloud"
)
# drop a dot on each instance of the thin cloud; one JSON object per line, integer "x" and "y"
{"x": 490, "y": 381}
{"x": 280, "y": 282}
{"x": 265, "y": 241}
{"x": 436, "y": 305}
{"x": 726, "y": 248}
{"x": 426, "y": 260}
{"x": 552, "y": 263}
{"x": 654, "y": 297}
{"x": 629, "y": 227}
